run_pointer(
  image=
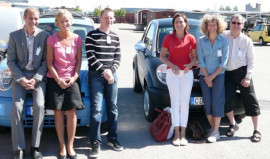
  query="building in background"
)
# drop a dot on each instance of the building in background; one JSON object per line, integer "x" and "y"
{"x": 250, "y": 8}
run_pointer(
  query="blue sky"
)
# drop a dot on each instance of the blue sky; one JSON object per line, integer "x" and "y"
{"x": 89, "y": 5}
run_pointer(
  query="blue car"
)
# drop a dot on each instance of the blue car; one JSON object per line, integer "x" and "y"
{"x": 81, "y": 26}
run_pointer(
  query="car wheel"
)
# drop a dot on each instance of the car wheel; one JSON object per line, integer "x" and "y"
{"x": 240, "y": 116}
{"x": 149, "y": 109}
{"x": 261, "y": 42}
{"x": 137, "y": 87}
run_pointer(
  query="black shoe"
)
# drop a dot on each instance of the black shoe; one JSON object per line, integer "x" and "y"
{"x": 61, "y": 157}
{"x": 35, "y": 153}
{"x": 73, "y": 156}
{"x": 115, "y": 144}
{"x": 95, "y": 149}
{"x": 19, "y": 154}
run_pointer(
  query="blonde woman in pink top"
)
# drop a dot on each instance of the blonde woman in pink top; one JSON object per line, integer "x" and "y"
{"x": 64, "y": 58}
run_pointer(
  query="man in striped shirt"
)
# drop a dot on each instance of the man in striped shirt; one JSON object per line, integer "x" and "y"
{"x": 103, "y": 54}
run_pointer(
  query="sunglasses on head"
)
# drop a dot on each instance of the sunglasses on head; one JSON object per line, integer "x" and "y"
{"x": 238, "y": 23}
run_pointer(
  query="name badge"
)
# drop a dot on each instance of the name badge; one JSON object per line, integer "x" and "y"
{"x": 38, "y": 51}
{"x": 240, "y": 53}
{"x": 68, "y": 49}
{"x": 219, "y": 53}
{"x": 109, "y": 41}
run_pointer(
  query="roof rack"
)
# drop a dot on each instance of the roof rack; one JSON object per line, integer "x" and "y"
{"x": 52, "y": 14}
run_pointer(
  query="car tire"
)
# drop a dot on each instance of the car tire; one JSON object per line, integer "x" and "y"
{"x": 240, "y": 116}
{"x": 137, "y": 87}
{"x": 261, "y": 42}
{"x": 149, "y": 108}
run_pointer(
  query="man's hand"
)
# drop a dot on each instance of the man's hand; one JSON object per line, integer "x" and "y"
{"x": 28, "y": 84}
{"x": 109, "y": 76}
{"x": 245, "y": 82}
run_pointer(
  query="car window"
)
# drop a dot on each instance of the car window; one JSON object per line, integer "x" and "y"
{"x": 165, "y": 30}
{"x": 149, "y": 37}
{"x": 162, "y": 32}
{"x": 257, "y": 28}
{"x": 262, "y": 28}
{"x": 81, "y": 30}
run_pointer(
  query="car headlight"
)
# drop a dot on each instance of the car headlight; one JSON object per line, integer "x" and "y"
{"x": 161, "y": 73}
{"x": 5, "y": 79}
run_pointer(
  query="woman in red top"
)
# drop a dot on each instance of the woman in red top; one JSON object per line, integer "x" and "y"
{"x": 179, "y": 45}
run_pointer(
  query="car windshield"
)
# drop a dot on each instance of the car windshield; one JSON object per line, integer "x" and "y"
{"x": 81, "y": 30}
{"x": 165, "y": 30}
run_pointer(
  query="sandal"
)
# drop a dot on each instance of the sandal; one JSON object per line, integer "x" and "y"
{"x": 256, "y": 137}
{"x": 232, "y": 130}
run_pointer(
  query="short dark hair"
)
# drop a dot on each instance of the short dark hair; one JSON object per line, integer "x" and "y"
{"x": 176, "y": 15}
{"x": 106, "y": 10}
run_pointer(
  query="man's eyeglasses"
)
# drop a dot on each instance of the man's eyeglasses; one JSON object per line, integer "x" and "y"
{"x": 238, "y": 23}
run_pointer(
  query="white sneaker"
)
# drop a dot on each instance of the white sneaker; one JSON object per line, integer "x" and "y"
{"x": 214, "y": 136}
{"x": 183, "y": 142}
{"x": 176, "y": 142}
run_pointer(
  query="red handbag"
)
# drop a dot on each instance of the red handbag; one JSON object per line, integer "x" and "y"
{"x": 161, "y": 126}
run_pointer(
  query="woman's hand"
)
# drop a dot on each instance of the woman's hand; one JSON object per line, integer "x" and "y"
{"x": 175, "y": 69}
{"x": 187, "y": 68}
{"x": 65, "y": 83}
{"x": 209, "y": 81}
{"x": 70, "y": 81}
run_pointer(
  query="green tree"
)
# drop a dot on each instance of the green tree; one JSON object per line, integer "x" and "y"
{"x": 97, "y": 11}
{"x": 221, "y": 8}
{"x": 78, "y": 9}
{"x": 120, "y": 12}
{"x": 235, "y": 8}
{"x": 228, "y": 8}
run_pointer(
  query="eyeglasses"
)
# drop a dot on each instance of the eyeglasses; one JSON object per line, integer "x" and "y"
{"x": 238, "y": 23}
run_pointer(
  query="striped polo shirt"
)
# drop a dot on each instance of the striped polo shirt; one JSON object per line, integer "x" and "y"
{"x": 102, "y": 51}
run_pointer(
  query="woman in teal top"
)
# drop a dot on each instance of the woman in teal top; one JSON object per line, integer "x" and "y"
{"x": 212, "y": 51}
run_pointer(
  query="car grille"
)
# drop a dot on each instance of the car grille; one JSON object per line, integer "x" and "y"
{"x": 48, "y": 122}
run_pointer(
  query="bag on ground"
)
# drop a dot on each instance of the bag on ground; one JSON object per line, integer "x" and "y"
{"x": 197, "y": 133}
{"x": 160, "y": 127}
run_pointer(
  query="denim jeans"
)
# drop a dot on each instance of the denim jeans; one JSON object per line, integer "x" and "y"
{"x": 99, "y": 89}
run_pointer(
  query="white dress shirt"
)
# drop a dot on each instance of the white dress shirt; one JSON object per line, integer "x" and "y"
{"x": 30, "y": 48}
{"x": 241, "y": 53}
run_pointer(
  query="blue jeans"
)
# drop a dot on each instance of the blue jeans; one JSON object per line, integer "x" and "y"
{"x": 214, "y": 98}
{"x": 99, "y": 89}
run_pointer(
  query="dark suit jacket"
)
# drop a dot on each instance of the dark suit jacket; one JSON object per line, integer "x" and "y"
{"x": 17, "y": 54}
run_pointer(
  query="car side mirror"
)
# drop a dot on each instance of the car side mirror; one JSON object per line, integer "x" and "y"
{"x": 140, "y": 46}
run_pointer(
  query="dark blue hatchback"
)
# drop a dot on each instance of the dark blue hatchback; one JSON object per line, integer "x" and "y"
{"x": 149, "y": 73}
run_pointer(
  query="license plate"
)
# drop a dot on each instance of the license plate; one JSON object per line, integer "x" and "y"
{"x": 196, "y": 101}
{"x": 30, "y": 111}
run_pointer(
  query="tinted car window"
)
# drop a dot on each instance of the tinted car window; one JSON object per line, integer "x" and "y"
{"x": 81, "y": 30}
{"x": 149, "y": 37}
{"x": 165, "y": 30}
{"x": 162, "y": 32}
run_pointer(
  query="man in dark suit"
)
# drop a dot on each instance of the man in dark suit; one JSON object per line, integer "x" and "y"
{"x": 26, "y": 57}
